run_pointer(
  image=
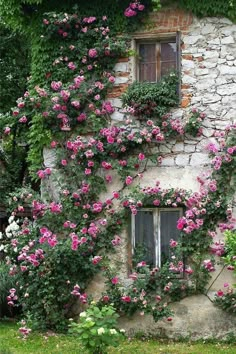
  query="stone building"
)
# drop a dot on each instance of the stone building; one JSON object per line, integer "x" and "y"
{"x": 204, "y": 52}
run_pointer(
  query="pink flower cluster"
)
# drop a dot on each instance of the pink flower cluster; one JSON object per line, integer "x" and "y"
{"x": 218, "y": 248}
{"x": 133, "y": 8}
{"x": 76, "y": 292}
{"x": 208, "y": 265}
{"x": 96, "y": 259}
{"x": 44, "y": 173}
{"x": 116, "y": 240}
{"x": 24, "y": 331}
{"x": 12, "y": 297}
{"x": 76, "y": 241}
{"x": 48, "y": 236}
{"x": 33, "y": 258}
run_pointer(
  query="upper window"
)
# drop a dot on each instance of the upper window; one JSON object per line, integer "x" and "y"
{"x": 152, "y": 230}
{"x": 157, "y": 58}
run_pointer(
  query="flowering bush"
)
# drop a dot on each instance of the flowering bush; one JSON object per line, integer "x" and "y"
{"x": 226, "y": 299}
{"x": 97, "y": 328}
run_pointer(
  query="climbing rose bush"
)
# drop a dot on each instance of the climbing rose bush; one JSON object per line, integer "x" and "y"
{"x": 73, "y": 236}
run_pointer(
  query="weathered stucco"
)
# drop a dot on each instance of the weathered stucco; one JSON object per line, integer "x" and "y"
{"x": 195, "y": 317}
{"x": 209, "y": 84}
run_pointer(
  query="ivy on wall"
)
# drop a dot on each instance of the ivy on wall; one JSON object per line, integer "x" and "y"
{"x": 211, "y": 8}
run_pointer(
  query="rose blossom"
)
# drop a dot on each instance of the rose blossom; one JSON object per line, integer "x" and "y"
{"x": 92, "y": 53}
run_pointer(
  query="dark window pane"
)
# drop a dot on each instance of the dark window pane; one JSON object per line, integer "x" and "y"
{"x": 147, "y": 52}
{"x": 147, "y": 62}
{"x": 168, "y": 51}
{"x": 147, "y": 72}
{"x": 168, "y": 229}
{"x": 144, "y": 237}
{"x": 168, "y": 57}
{"x": 166, "y": 67}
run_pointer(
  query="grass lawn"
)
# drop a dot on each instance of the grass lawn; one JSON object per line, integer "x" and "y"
{"x": 50, "y": 343}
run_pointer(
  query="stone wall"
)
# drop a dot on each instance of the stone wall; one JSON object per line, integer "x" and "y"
{"x": 208, "y": 82}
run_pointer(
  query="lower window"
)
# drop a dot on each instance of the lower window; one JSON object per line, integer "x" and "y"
{"x": 152, "y": 230}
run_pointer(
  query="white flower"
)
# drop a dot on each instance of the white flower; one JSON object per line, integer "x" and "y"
{"x": 11, "y": 218}
{"x": 2, "y": 247}
{"x": 1, "y": 235}
{"x": 113, "y": 331}
{"x": 88, "y": 319}
{"x": 83, "y": 314}
{"x": 122, "y": 330}
{"x": 101, "y": 331}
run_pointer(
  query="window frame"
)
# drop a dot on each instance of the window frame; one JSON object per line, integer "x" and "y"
{"x": 142, "y": 38}
{"x": 156, "y": 230}
{"x": 158, "y": 58}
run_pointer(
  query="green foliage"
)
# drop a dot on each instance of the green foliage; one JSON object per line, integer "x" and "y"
{"x": 211, "y": 8}
{"x": 49, "y": 300}
{"x": 230, "y": 247}
{"x": 194, "y": 125}
{"x": 97, "y": 328}
{"x": 152, "y": 100}
{"x": 145, "y": 294}
{"x": 14, "y": 67}
{"x": 6, "y": 282}
{"x": 64, "y": 344}
{"x": 19, "y": 14}
{"x": 227, "y": 299}
{"x": 13, "y": 170}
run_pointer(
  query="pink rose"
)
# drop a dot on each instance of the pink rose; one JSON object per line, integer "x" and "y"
{"x": 128, "y": 180}
{"x": 220, "y": 293}
{"x": 141, "y": 156}
{"x": 115, "y": 280}
{"x": 56, "y": 85}
{"x": 23, "y": 119}
{"x": 64, "y": 162}
{"x": 7, "y": 130}
{"x": 96, "y": 259}
{"x": 92, "y": 53}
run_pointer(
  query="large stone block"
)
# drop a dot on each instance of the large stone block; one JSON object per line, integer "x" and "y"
{"x": 199, "y": 159}
{"x": 182, "y": 160}
{"x": 227, "y": 89}
{"x": 227, "y": 70}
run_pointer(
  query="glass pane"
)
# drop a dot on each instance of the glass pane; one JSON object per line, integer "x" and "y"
{"x": 144, "y": 237}
{"x": 166, "y": 67}
{"x": 147, "y": 52}
{"x": 168, "y": 57}
{"x": 147, "y": 72}
{"x": 168, "y": 229}
{"x": 147, "y": 62}
{"x": 168, "y": 51}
